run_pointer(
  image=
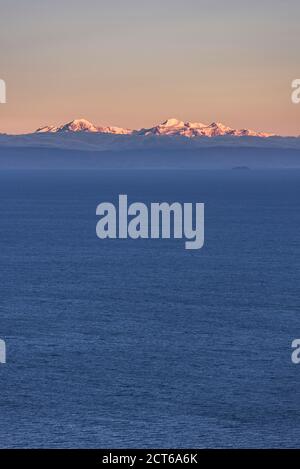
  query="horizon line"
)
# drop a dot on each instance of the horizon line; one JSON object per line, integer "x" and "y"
{"x": 169, "y": 123}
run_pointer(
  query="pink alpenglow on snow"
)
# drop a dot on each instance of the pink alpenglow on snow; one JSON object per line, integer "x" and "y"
{"x": 83, "y": 125}
{"x": 198, "y": 129}
{"x": 170, "y": 127}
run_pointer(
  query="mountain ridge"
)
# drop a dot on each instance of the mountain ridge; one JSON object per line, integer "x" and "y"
{"x": 83, "y": 125}
{"x": 169, "y": 127}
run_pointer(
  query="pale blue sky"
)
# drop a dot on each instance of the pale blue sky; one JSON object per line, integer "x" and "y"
{"x": 134, "y": 63}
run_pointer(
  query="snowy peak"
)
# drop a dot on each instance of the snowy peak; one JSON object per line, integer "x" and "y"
{"x": 198, "y": 129}
{"x": 83, "y": 125}
{"x": 78, "y": 125}
{"x": 46, "y": 129}
{"x": 171, "y": 127}
{"x": 172, "y": 123}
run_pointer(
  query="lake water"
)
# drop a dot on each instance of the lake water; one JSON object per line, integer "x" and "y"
{"x": 141, "y": 343}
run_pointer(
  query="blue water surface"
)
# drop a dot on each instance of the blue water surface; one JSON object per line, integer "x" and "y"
{"x": 141, "y": 343}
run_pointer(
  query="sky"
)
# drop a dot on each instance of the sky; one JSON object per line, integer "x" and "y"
{"x": 135, "y": 63}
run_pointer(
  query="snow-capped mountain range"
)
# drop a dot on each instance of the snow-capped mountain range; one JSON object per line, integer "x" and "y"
{"x": 170, "y": 127}
{"x": 83, "y": 125}
{"x": 171, "y": 144}
{"x": 198, "y": 129}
